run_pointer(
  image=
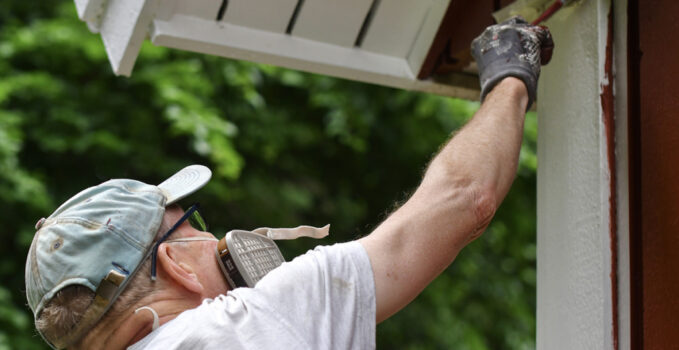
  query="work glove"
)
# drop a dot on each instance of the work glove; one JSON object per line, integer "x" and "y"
{"x": 512, "y": 48}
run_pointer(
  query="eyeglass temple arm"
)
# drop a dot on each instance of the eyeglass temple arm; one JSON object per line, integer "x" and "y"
{"x": 154, "y": 254}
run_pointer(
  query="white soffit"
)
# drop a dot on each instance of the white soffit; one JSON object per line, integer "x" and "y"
{"x": 377, "y": 41}
{"x": 334, "y": 22}
{"x": 395, "y": 26}
{"x": 273, "y": 16}
{"x": 205, "y": 9}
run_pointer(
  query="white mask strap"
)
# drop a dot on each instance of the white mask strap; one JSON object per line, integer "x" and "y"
{"x": 156, "y": 319}
{"x": 292, "y": 233}
{"x": 191, "y": 239}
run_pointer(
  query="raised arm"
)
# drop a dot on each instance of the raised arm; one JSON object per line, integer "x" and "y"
{"x": 465, "y": 182}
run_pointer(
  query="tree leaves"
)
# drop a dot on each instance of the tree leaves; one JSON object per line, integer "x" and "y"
{"x": 287, "y": 148}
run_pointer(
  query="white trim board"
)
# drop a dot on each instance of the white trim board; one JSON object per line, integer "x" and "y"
{"x": 319, "y": 38}
{"x": 237, "y": 42}
{"x": 123, "y": 29}
{"x": 575, "y": 308}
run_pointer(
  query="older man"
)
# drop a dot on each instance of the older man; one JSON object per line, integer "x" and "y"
{"x": 119, "y": 265}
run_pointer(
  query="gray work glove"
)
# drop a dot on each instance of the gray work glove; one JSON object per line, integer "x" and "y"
{"x": 512, "y": 48}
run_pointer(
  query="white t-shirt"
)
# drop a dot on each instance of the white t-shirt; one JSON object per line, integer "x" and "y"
{"x": 324, "y": 299}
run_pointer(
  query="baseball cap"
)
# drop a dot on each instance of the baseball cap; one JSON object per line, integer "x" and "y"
{"x": 98, "y": 239}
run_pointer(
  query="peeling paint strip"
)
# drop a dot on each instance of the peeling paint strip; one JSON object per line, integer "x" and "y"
{"x": 608, "y": 116}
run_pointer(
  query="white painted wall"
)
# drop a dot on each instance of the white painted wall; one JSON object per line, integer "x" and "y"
{"x": 574, "y": 300}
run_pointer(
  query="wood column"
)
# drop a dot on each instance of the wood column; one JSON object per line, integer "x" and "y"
{"x": 654, "y": 173}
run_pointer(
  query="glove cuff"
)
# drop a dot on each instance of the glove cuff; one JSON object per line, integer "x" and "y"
{"x": 492, "y": 77}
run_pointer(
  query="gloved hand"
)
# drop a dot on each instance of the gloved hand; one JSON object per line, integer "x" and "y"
{"x": 512, "y": 48}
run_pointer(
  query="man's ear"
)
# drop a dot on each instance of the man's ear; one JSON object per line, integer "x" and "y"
{"x": 179, "y": 271}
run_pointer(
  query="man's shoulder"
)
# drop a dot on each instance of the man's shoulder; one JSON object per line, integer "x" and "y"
{"x": 237, "y": 320}
{"x": 286, "y": 309}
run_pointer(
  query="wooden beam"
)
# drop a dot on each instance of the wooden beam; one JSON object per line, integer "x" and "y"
{"x": 655, "y": 262}
{"x": 463, "y": 21}
{"x": 426, "y": 34}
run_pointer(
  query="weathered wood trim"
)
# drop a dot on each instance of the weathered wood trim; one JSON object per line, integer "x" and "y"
{"x": 656, "y": 187}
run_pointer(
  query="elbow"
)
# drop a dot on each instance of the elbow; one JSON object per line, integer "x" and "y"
{"x": 466, "y": 204}
{"x": 484, "y": 203}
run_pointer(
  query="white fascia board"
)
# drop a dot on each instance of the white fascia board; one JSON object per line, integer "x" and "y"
{"x": 237, "y": 42}
{"x": 124, "y": 27}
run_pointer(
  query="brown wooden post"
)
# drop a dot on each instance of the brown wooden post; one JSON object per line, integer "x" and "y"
{"x": 654, "y": 173}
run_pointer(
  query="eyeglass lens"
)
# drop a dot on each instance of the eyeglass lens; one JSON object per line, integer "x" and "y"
{"x": 196, "y": 220}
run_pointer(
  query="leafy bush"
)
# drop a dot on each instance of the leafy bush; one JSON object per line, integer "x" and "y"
{"x": 287, "y": 148}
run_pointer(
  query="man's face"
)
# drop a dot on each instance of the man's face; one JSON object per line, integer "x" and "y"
{"x": 200, "y": 254}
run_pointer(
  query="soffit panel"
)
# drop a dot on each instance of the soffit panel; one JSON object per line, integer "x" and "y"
{"x": 378, "y": 41}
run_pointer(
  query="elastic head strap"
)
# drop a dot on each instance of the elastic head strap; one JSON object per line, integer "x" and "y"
{"x": 191, "y": 239}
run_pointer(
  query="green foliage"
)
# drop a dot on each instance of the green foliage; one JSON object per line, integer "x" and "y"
{"x": 287, "y": 148}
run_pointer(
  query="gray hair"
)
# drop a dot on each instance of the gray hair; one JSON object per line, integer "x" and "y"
{"x": 67, "y": 307}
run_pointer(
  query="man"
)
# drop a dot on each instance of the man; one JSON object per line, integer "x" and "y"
{"x": 119, "y": 265}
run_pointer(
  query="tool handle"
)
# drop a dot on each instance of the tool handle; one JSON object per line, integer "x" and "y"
{"x": 548, "y": 12}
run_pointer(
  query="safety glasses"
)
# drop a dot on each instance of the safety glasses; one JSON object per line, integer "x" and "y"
{"x": 195, "y": 220}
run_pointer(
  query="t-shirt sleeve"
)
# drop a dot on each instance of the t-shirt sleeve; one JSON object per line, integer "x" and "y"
{"x": 326, "y": 297}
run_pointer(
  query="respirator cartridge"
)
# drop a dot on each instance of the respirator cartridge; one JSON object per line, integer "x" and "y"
{"x": 245, "y": 257}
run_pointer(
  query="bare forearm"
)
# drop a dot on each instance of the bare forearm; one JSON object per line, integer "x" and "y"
{"x": 483, "y": 156}
{"x": 460, "y": 191}
{"x": 468, "y": 179}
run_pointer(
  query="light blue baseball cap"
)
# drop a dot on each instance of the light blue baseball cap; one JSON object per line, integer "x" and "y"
{"x": 98, "y": 239}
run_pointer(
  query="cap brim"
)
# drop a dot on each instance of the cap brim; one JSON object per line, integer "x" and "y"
{"x": 185, "y": 182}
